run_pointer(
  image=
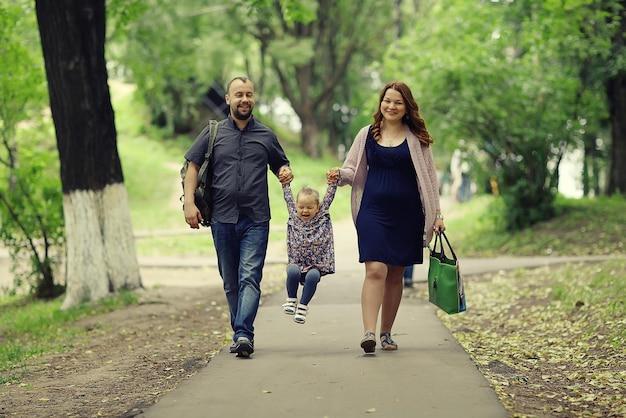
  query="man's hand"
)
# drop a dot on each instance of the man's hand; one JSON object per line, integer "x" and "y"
{"x": 192, "y": 215}
{"x": 285, "y": 176}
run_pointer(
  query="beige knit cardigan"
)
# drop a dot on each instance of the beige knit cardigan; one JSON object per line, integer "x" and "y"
{"x": 354, "y": 172}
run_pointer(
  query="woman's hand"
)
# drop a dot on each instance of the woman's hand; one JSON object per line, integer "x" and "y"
{"x": 439, "y": 226}
{"x": 332, "y": 175}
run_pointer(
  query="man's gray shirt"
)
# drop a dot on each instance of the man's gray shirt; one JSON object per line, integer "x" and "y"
{"x": 240, "y": 160}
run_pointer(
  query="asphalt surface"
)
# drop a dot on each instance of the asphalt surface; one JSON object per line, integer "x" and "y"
{"x": 319, "y": 370}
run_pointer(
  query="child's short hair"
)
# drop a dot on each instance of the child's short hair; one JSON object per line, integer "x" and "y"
{"x": 308, "y": 191}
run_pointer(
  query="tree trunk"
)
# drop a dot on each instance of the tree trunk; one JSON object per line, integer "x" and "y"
{"x": 616, "y": 92}
{"x": 310, "y": 144}
{"x": 616, "y": 96}
{"x": 333, "y": 136}
{"x": 342, "y": 31}
{"x": 99, "y": 235}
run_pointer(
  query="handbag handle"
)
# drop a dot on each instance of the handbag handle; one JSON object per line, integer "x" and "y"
{"x": 438, "y": 238}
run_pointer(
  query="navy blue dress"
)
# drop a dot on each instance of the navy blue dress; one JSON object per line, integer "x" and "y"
{"x": 390, "y": 222}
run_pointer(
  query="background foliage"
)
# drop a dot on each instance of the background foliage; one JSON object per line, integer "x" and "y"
{"x": 507, "y": 77}
{"x": 519, "y": 82}
{"x": 31, "y": 217}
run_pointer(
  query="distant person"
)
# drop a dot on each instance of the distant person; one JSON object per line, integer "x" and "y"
{"x": 243, "y": 151}
{"x": 408, "y": 276}
{"x": 310, "y": 246}
{"x": 464, "y": 194}
{"x": 461, "y": 188}
{"x": 455, "y": 173}
{"x": 395, "y": 204}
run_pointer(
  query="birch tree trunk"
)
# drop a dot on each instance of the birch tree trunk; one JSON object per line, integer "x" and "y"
{"x": 99, "y": 235}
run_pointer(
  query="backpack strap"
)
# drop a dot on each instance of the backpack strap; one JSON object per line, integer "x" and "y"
{"x": 202, "y": 174}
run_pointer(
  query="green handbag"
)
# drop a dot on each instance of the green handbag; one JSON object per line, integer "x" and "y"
{"x": 445, "y": 283}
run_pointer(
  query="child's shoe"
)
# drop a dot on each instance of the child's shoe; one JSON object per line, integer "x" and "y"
{"x": 289, "y": 307}
{"x": 300, "y": 315}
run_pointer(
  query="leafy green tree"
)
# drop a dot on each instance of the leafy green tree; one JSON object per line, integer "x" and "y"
{"x": 32, "y": 221}
{"x": 173, "y": 52}
{"x": 507, "y": 77}
{"x": 21, "y": 79}
{"x": 31, "y": 217}
{"x": 317, "y": 55}
{"x": 101, "y": 256}
{"x": 312, "y": 54}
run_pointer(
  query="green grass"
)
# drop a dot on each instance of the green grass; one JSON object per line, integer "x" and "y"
{"x": 30, "y": 328}
{"x": 603, "y": 285}
{"x": 582, "y": 227}
{"x": 150, "y": 178}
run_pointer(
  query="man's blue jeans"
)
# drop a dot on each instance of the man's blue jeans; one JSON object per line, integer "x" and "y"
{"x": 241, "y": 250}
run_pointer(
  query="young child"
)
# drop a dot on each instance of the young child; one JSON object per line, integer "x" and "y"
{"x": 310, "y": 248}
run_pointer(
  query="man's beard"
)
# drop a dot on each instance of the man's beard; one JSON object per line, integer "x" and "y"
{"x": 242, "y": 116}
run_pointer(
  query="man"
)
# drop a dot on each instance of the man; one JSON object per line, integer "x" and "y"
{"x": 242, "y": 151}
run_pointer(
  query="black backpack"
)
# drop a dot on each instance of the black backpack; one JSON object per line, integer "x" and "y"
{"x": 202, "y": 195}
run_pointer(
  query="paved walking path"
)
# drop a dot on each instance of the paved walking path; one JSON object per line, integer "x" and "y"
{"x": 319, "y": 370}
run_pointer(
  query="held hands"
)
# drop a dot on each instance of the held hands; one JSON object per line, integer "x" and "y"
{"x": 332, "y": 175}
{"x": 285, "y": 176}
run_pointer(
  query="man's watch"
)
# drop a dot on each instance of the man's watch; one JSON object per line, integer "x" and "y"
{"x": 439, "y": 216}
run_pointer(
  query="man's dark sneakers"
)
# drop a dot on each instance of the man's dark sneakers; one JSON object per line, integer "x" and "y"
{"x": 233, "y": 347}
{"x": 243, "y": 347}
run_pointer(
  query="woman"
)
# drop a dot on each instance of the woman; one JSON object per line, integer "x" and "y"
{"x": 395, "y": 204}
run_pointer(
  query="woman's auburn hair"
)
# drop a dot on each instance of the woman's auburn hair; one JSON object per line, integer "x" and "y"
{"x": 411, "y": 118}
